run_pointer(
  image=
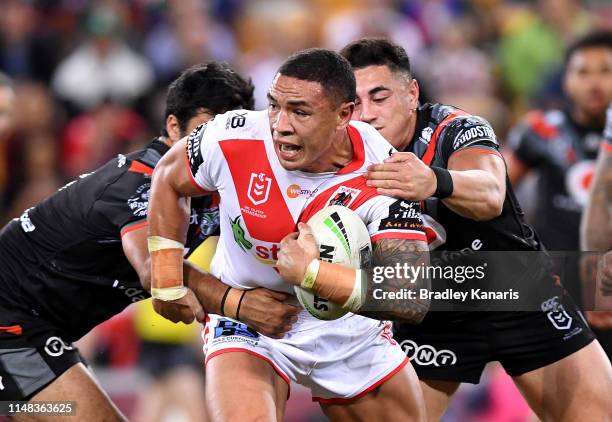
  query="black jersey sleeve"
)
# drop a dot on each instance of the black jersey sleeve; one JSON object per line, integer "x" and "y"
{"x": 527, "y": 140}
{"x": 124, "y": 202}
{"x": 467, "y": 132}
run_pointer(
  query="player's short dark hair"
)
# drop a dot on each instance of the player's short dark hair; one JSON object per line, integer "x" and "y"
{"x": 326, "y": 67}
{"x": 377, "y": 52}
{"x": 213, "y": 86}
{"x": 598, "y": 38}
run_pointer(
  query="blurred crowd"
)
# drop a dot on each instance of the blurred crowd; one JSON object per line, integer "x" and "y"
{"x": 90, "y": 76}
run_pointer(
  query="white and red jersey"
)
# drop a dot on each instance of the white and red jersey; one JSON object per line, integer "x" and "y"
{"x": 261, "y": 202}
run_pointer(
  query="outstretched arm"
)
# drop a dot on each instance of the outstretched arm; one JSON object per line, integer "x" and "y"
{"x": 477, "y": 181}
{"x": 348, "y": 286}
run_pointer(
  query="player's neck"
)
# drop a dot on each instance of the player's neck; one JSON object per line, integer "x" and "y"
{"x": 588, "y": 120}
{"x": 406, "y": 139}
{"x": 341, "y": 152}
{"x": 338, "y": 155}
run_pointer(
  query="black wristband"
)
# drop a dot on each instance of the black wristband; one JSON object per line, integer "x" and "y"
{"x": 240, "y": 303}
{"x": 444, "y": 182}
{"x": 223, "y": 300}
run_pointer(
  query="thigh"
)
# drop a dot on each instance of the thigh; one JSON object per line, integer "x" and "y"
{"x": 78, "y": 385}
{"x": 244, "y": 386}
{"x": 526, "y": 341}
{"x": 437, "y": 396}
{"x": 398, "y": 399}
{"x": 575, "y": 388}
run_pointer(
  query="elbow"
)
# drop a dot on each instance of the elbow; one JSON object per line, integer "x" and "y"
{"x": 416, "y": 313}
{"x": 492, "y": 208}
{"x": 144, "y": 275}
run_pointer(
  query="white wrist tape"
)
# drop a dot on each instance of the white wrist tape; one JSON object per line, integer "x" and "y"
{"x": 310, "y": 276}
{"x": 355, "y": 300}
{"x": 168, "y": 294}
{"x": 157, "y": 243}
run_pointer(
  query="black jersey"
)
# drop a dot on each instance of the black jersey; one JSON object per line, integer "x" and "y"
{"x": 441, "y": 131}
{"x": 63, "y": 259}
{"x": 563, "y": 152}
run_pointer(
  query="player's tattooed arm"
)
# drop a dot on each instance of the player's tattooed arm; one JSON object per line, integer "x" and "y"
{"x": 390, "y": 253}
{"x": 596, "y": 230}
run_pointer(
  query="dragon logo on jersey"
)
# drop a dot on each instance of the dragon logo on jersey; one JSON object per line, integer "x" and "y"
{"x": 240, "y": 234}
{"x": 259, "y": 188}
{"x": 344, "y": 196}
{"x": 140, "y": 200}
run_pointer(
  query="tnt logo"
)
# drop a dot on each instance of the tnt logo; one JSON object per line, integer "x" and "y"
{"x": 426, "y": 354}
{"x": 259, "y": 188}
{"x": 556, "y": 313}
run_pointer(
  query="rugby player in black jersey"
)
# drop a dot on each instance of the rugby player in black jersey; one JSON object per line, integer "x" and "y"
{"x": 561, "y": 146}
{"x": 453, "y": 156}
{"x": 81, "y": 256}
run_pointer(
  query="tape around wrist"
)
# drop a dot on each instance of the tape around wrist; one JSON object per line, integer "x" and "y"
{"x": 310, "y": 276}
{"x": 168, "y": 294}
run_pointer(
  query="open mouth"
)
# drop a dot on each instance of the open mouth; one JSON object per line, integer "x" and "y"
{"x": 288, "y": 151}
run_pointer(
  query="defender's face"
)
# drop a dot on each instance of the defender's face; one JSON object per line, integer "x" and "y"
{"x": 387, "y": 101}
{"x": 303, "y": 121}
{"x": 588, "y": 80}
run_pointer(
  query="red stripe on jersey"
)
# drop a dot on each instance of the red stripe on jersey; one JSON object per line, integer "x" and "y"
{"x": 431, "y": 148}
{"x": 397, "y": 234}
{"x": 430, "y": 234}
{"x": 270, "y": 219}
{"x": 138, "y": 167}
{"x": 191, "y": 178}
{"x": 479, "y": 151}
{"x": 131, "y": 227}
{"x": 322, "y": 199}
{"x": 358, "y": 151}
{"x": 12, "y": 329}
{"x": 537, "y": 121}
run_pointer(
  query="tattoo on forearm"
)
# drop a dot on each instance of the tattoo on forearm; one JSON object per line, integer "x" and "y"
{"x": 389, "y": 253}
{"x": 598, "y": 230}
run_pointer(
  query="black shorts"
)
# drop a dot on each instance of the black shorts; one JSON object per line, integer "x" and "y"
{"x": 455, "y": 347}
{"x": 32, "y": 354}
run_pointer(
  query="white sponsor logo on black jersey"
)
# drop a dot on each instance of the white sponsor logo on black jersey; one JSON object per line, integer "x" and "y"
{"x": 55, "y": 346}
{"x": 473, "y": 133}
{"x": 140, "y": 200}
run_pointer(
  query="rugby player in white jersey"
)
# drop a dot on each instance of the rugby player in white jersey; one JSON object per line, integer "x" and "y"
{"x": 273, "y": 169}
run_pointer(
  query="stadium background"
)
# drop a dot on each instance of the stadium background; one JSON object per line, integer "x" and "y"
{"x": 90, "y": 78}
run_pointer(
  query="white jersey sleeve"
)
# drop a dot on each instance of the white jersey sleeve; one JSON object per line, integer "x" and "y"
{"x": 389, "y": 218}
{"x": 204, "y": 155}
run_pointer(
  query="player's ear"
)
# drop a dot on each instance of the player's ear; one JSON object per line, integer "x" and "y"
{"x": 413, "y": 90}
{"x": 345, "y": 113}
{"x": 173, "y": 128}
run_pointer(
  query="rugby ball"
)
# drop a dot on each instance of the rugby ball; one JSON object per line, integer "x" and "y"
{"x": 342, "y": 238}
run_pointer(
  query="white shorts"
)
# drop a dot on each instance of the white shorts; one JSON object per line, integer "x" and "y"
{"x": 338, "y": 360}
